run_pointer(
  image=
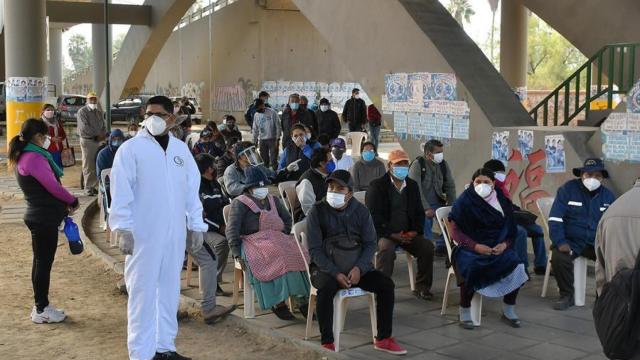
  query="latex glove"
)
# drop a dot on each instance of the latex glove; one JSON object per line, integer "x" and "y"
{"x": 293, "y": 167}
{"x": 197, "y": 239}
{"x": 124, "y": 240}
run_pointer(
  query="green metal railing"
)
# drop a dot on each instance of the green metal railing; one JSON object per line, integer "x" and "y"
{"x": 613, "y": 64}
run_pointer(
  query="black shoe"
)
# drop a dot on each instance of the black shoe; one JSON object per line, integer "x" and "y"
{"x": 423, "y": 294}
{"x": 540, "y": 270}
{"x": 170, "y": 355}
{"x": 282, "y": 312}
{"x": 304, "y": 310}
{"x": 514, "y": 323}
{"x": 563, "y": 303}
{"x": 220, "y": 292}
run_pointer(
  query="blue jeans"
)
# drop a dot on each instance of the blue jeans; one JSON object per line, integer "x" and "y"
{"x": 374, "y": 132}
{"x": 428, "y": 230}
{"x": 537, "y": 240}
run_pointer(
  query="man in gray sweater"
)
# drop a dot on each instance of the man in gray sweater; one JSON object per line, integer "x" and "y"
{"x": 266, "y": 132}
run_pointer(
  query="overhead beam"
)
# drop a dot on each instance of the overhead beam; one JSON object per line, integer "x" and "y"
{"x": 93, "y": 13}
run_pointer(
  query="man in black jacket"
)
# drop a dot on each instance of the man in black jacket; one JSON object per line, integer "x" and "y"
{"x": 335, "y": 216}
{"x": 248, "y": 115}
{"x": 328, "y": 122}
{"x": 294, "y": 114}
{"x": 311, "y": 187}
{"x": 355, "y": 112}
{"x": 398, "y": 215}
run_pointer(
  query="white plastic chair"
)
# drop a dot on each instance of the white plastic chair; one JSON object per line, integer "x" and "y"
{"x": 103, "y": 199}
{"x": 241, "y": 281}
{"x": 357, "y": 138}
{"x": 360, "y": 196}
{"x": 442, "y": 215}
{"x": 579, "y": 264}
{"x": 282, "y": 189}
{"x": 340, "y": 301}
{"x": 188, "y": 273}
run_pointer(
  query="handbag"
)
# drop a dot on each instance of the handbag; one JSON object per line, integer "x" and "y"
{"x": 68, "y": 155}
{"x": 524, "y": 217}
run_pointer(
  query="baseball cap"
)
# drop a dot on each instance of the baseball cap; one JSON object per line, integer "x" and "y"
{"x": 398, "y": 155}
{"x": 342, "y": 177}
{"x": 338, "y": 142}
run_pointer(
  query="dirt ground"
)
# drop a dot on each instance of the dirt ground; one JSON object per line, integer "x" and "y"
{"x": 96, "y": 324}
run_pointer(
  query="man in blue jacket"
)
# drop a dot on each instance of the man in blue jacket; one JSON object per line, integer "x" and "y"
{"x": 573, "y": 221}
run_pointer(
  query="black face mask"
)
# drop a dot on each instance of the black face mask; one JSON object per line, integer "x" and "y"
{"x": 303, "y": 106}
{"x": 337, "y": 153}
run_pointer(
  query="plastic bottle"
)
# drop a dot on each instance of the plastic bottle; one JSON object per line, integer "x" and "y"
{"x": 73, "y": 236}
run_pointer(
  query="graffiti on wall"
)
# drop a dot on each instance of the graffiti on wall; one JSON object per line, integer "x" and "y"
{"x": 532, "y": 175}
{"x": 229, "y": 98}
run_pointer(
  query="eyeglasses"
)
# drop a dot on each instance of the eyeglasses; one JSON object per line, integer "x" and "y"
{"x": 160, "y": 114}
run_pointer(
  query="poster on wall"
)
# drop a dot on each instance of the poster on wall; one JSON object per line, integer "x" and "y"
{"x": 620, "y": 137}
{"x": 500, "y": 146}
{"x": 400, "y": 123}
{"x": 633, "y": 99}
{"x": 461, "y": 128}
{"x": 525, "y": 142}
{"x": 554, "y": 151}
{"x": 26, "y": 89}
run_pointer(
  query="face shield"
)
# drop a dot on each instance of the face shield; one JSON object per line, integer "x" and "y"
{"x": 252, "y": 156}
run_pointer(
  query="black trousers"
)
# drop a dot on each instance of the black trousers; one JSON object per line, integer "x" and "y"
{"x": 562, "y": 265}
{"x": 373, "y": 281}
{"x": 44, "y": 241}
{"x": 466, "y": 295}
{"x": 421, "y": 248}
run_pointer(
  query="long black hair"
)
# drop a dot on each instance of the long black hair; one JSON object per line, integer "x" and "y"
{"x": 483, "y": 172}
{"x": 30, "y": 128}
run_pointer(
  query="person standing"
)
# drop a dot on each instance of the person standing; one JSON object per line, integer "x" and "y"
{"x": 354, "y": 112}
{"x": 295, "y": 113}
{"x": 375, "y": 122}
{"x": 92, "y": 132}
{"x": 154, "y": 188}
{"x": 266, "y": 133}
{"x": 328, "y": 122}
{"x": 56, "y": 133}
{"x": 308, "y": 117}
{"x": 251, "y": 111}
{"x": 48, "y": 203}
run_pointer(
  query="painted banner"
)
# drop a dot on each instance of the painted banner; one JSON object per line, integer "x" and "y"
{"x": 525, "y": 142}
{"x": 24, "y": 99}
{"x": 229, "y": 98}
{"x": 500, "y": 146}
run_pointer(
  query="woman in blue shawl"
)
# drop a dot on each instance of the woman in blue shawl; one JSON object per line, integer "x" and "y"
{"x": 482, "y": 225}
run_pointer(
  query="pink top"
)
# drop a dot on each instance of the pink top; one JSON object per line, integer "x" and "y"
{"x": 36, "y": 165}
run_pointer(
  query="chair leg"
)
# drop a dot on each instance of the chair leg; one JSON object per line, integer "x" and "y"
{"x": 476, "y": 309}
{"x": 343, "y": 314}
{"x": 374, "y": 316}
{"x": 445, "y": 297}
{"x": 189, "y": 265}
{"x": 580, "y": 280}
{"x": 412, "y": 277}
{"x": 312, "y": 307}
{"x": 337, "y": 318}
{"x": 200, "y": 279}
{"x": 249, "y": 301}
{"x": 547, "y": 274}
{"x": 237, "y": 278}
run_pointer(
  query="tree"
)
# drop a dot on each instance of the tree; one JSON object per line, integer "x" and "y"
{"x": 117, "y": 44}
{"x": 494, "y": 8}
{"x": 461, "y": 10}
{"x": 80, "y": 52}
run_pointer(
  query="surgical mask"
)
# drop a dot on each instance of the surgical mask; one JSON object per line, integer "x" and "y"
{"x": 330, "y": 167}
{"x": 483, "y": 190}
{"x": 324, "y": 108}
{"x": 155, "y": 125}
{"x": 48, "y": 114}
{"x": 92, "y": 106}
{"x": 438, "y": 157}
{"x": 132, "y": 133}
{"x": 47, "y": 143}
{"x": 400, "y": 172}
{"x": 368, "y": 155}
{"x": 294, "y": 106}
{"x": 116, "y": 143}
{"x": 592, "y": 184}
{"x": 336, "y": 200}
{"x": 337, "y": 153}
{"x": 500, "y": 176}
{"x": 260, "y": 193}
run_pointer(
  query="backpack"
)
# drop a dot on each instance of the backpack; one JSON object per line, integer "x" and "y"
{"x": 616, "y": 314}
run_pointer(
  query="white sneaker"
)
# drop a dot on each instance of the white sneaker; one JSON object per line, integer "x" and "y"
{"x": 49, "y": 315}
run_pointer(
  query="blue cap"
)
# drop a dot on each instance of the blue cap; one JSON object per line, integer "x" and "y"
{"x": 255, "y": 176}
{"x": 591, "y": 165}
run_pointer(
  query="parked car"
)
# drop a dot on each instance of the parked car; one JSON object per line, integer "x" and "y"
{"x": 197, "y": 117}
{"x": 68, "y": 106}
{"x": 130, "y": 109}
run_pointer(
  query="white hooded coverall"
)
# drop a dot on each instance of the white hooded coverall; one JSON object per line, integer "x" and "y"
{"x": 155, "y": 196}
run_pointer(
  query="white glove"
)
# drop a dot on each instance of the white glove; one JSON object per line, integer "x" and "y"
{"x": 124, "y": 240}
{"x": 197, "y": 239}
{"x": 293, "y": 167}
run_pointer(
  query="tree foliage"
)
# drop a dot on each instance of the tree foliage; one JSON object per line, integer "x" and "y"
{"x": 461, "y": 10}
{"x": 80, "y": 52}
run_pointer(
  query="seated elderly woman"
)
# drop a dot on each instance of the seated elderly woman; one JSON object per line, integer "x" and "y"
{"x": 483, "y": 226}
{"x": 258, "y": 230}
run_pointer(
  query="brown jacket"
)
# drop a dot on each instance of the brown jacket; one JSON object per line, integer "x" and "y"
{"x": 617, "y": 240}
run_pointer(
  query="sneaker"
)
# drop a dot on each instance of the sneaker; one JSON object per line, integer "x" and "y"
{"x": 329, "y": 346}
{"x": 170, "y": 355}
{"x": 390, "y": 346}
{"x": 48, "y": 316}
{"x": 563, "y": 303}
{"x": 216, "y": 313}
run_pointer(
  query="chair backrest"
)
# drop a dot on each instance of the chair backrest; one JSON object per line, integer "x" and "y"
{"x": 299, "y": 228}
{"x": 104, "y": 174}
{"x": 442, "y": 215}
{"x": 360, "y": 196}
{"x": 544, "y": 206}
{"x": 192, "y": 139}
{"x": 357, "y": 138}
{"x": 304, "y": 244}
{"x": 225, "y": 213}
{"x": 282, "y": 187}
{"x": 292, "y": 199}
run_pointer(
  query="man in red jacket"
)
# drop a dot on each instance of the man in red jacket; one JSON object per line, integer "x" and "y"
{"x": 375, "y": 121}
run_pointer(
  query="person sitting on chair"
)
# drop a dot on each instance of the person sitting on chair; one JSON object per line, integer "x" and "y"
{"x": 311, "y": 187}
{"x": 482, "y": 224}
{"x": 234, "y": 176}
{"x": 338, "y": 219}
{"x": 368, "y": 168}
{"x": 295, "y": 158}
{"x": 258, "y": 231}
{"x": 394, "y": 202}
{"x": 573, "y": 220}
{"x": 105, "y": 157}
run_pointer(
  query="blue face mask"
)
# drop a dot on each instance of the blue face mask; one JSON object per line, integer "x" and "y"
{"x": 400, "y": 172}
{"x": 294, "y": 106}
{"x": 330, "y": 167}
{"x": 116, "y": 143}
{"x": 368, "y": 155}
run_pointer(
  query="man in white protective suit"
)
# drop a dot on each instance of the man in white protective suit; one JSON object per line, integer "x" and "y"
{"x": 154, "y": 189}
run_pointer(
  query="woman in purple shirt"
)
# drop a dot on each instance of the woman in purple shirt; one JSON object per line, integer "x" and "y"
{"x": 48, "y": 203}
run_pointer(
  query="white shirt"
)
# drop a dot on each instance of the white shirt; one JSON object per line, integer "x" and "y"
{"x": 404, "y": 184}
{"x": 343, "y": 164}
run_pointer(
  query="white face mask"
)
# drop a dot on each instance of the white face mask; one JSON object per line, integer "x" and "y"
{"x": 47, "y": 143}
{"x": 356, "y": 96}
{"x": 92, "y": 106}
{"x": 324, "y": 108}
{"x": 260, "y": 193}
{"x": 132, "y": 133}
{"x": 156, "y": 125}
{"x": 500, "y": 176}
{"x": 336, "y": 200}
{"x": 483, "y": 190}
{"x": 591, "y": 184}
{"x": 438, "y": 157}
{"x": 48, "y": 114}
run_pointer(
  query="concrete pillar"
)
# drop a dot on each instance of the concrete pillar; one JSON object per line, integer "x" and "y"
{"x": 2, "y": 77}
{"x": 54, "y": 67}
{"x": 99, "y": 60}
{"x": 26, "y": 61}
{"x": 513, "y": 43}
